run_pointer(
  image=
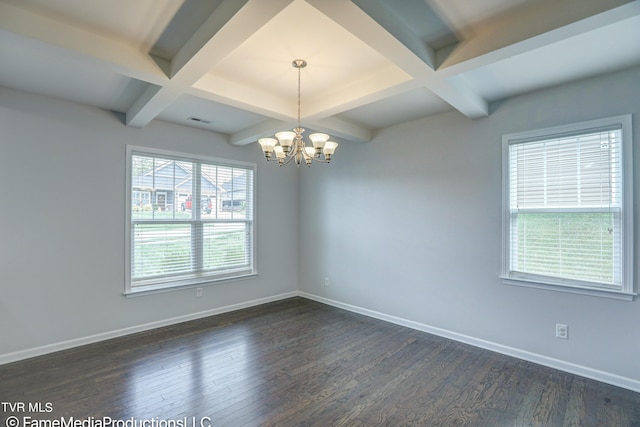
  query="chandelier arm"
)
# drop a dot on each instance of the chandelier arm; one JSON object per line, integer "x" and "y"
{"x": 319, "y": 160}
{"x": 289, "y": 158}
{"x": 275, "y": 159}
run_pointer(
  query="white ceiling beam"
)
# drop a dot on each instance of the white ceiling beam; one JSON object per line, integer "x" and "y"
{"x": 266, "y": 128}
{"x": 337, "y": 127}
{"x": 546, "y": 23}
{"x": 362, "y": 26}
{"x": 227, "y": 27}
{"x": 282, "y": 111}
{"x": 189, "y": 53}
{"x": 151, "y": 103}
{"x": 386, "y": 17}
{"x": 388, "y": 80}
{"x": 460, "y": 95}
{"x": 323, "y": 111}
{"x": 122, "y": 58}
{"x": 334, "y": 126}
{"x": 233, "y": 93}
{"x": 528, "y": 27}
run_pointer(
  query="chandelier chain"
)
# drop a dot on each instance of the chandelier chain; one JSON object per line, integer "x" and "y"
{"x": 298, "y": 95}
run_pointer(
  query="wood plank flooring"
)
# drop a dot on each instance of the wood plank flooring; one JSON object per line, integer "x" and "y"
{"x": 301, "y": 363}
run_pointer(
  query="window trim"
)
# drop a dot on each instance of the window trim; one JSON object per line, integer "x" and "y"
{"x": 195, "y": 280}
{"x": 627, "y": 261}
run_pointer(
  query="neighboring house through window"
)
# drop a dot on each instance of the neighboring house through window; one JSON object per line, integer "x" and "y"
{"x": 179, "y": 230}
{"x": 568, "y": 208}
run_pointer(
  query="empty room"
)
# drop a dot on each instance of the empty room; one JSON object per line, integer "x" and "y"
{"x": 319, "y": 213}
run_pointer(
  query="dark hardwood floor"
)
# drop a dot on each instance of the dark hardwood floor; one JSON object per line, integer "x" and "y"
{"x": 301, "y": 363}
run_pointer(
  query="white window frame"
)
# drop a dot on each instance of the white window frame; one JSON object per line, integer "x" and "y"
{"x": 164, "y": 285}
{"x": 626, "y": 291}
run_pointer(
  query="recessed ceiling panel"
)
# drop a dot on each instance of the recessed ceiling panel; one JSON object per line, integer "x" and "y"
{"x": 605, "y": 49}
{"x": 336, "y": 59}
{"x": 66, "y": 76}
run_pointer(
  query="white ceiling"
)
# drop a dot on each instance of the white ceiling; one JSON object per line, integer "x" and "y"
{"x": 371, "y": 63}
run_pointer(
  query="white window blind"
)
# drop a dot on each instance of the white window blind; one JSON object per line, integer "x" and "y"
{"x": 567, "y": 209}
{"x": 191, "y": 220}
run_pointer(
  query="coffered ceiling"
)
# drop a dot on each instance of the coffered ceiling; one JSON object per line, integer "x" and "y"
{"x": 225, "y": 65}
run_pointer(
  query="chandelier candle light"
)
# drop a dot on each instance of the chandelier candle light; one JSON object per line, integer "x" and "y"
{"x": 290, "y": 145}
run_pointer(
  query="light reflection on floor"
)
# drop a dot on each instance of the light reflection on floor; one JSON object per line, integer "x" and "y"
{"x": 194, "y": 374}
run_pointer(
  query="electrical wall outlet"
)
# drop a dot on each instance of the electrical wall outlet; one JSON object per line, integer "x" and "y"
{"x": 562, "y": 331}
{"x": 326, "y": 281}
{"x": 198, "y": 292}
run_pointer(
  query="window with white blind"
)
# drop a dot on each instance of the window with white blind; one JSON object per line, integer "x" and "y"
{"x": 568, "y": 208}
{"x": 190, "y": 220}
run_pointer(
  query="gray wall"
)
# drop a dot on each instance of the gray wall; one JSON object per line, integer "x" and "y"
{"x": 62, "y": 223}
{"x": 409, "y": 225}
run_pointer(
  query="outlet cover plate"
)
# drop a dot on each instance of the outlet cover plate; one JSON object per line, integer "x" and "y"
{"x": 562, "y": 331}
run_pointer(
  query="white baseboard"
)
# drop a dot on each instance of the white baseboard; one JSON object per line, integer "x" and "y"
{"x": 602, "y": 376}
{"x": 583, "y": 371}
{"x": 76, "y": 342}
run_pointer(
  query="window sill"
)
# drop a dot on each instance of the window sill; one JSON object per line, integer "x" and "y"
{"x": 603, "y": 293}
{"x": 170, "y": 287}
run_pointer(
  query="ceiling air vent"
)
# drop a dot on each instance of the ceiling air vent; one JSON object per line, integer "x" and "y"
{"x": 199, "y": 120}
